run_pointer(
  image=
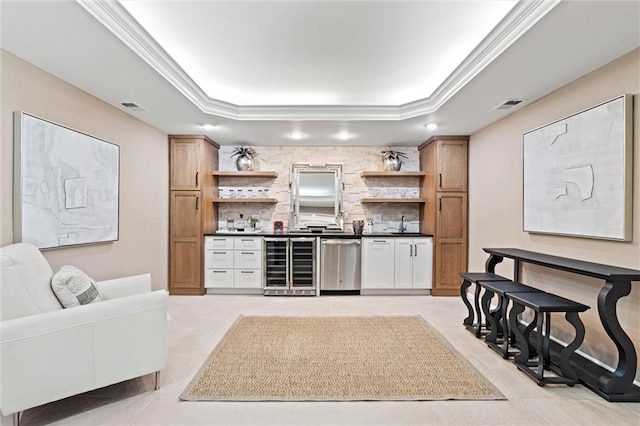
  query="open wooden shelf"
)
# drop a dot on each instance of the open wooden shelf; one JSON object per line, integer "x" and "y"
{"x": 393, "y": 200}
{"x": 245, "y": 200}
{"x": 383, "y": 173}
{"x": 256, "y": 174}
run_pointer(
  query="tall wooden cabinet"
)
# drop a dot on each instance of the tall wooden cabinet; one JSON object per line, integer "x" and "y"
{"x": 444, "y": 213}
{"x": 192, "y": 213}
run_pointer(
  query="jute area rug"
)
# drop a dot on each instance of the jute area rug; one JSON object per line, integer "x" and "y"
{"x": 264, "y": 358}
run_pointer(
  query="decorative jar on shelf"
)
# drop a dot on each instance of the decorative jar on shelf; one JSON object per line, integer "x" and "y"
{"x": 246, "y": 154}
{"x": 392, "y": 160}
{"x": 244, "y": 163}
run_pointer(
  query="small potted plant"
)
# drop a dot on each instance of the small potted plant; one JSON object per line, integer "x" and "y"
{"x": 392, "y": 160}
{"x": 245, "y": 154}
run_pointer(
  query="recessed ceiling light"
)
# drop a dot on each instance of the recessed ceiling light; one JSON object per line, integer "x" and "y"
{"x": 431, "y": 126}
{"x": 297, "y": 135}
{"x": 343, "y": 136}
{"x": 209, "y": 126}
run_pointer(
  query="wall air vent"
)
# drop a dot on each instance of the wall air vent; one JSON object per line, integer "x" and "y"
{"x": 132, "y": 106}
{"x": 510, "y": 103}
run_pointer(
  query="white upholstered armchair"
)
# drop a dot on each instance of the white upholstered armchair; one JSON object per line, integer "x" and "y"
{"x": 48, "y": 353}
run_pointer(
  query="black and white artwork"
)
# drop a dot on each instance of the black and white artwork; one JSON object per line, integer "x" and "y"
{"x": 66, "y": 185}
{"x": 578, "y": 174}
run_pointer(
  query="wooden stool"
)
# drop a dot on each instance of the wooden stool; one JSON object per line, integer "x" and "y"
{"x": 501, "y": 288}
{"x": 474, "y": 277}
{"x": 543, "y": 304}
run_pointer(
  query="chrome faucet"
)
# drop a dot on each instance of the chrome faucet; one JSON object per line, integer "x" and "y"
{"x": 402, "y": 225}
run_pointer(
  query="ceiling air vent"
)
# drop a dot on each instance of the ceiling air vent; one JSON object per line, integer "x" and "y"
{"x": 509, "y": 104}
{"x": 132, "y": 106}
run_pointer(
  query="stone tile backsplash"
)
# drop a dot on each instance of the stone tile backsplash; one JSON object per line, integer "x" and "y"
{"x": 386, "y": 216}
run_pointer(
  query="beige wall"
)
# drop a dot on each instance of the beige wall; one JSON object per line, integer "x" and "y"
{"x": 495, "y": 202}
{"x": 143, "y": 243}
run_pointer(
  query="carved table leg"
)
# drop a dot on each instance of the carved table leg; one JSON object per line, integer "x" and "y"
{"x": 490, "y": 264}
{"x": 523, "y": 338}
{"x": 507, "y": 333}
{"x": 491, "y": 321}
{"x": 547, "y": 334}
{"x": 523, "y": 356}
{"x": 497, "y": 316}
{"x": 463, "y": 293}
{"x": 565, "y": 368}
{"x": 623, "y": 376}
{"x": 541, "y": 344}
{"x": 476, "y": 304}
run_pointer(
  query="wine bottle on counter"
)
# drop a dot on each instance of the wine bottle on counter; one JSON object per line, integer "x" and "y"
{"x": 241, "y": 224}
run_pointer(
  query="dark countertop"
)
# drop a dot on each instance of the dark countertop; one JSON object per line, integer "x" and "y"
{"x": 338, "y": 235}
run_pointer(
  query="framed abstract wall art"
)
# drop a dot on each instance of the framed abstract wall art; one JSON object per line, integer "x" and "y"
{"x": 66, "y": 185}
{"x": 578, "y": 172}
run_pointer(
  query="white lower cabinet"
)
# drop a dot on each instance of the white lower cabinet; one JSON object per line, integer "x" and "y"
{"x": 233, "y": 262}
{"x": 377, "y": 263}
{"x": 397, "y": 263}
{"x": 413, "y": 262}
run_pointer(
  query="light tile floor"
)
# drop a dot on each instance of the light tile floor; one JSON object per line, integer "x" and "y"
{"x": 198, "y": 323}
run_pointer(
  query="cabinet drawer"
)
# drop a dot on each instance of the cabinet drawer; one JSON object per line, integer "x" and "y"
{"x": 219, "y": 259}
{"x": 376, "y": 241}
{"x": 248, "y": 243}
{"x": 218, "y": 243}
{"x": 217, "y": 278}
{"x": 247, "y": 259}
{"x": 248, "y": 278}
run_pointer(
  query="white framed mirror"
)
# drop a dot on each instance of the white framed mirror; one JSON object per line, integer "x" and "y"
{"x": 316, "y": 196}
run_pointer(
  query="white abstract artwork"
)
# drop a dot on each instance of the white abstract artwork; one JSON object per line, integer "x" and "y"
{"x": 66, "y": 185}
{"x": 577, "y": 174}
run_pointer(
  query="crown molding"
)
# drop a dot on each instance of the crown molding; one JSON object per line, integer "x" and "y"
{"x": 116, "y": 19}
{"x": 518, "y": 21}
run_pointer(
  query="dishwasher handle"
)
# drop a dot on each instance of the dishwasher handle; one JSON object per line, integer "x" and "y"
{"x": 341, "y": 242}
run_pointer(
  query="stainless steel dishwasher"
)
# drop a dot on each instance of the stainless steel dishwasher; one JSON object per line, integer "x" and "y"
{"x": 340, "y": 264}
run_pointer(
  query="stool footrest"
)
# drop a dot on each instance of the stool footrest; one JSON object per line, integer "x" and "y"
{"x": 541, "y": 381}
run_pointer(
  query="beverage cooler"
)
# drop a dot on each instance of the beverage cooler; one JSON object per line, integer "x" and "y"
{"x": 290, "y": 266}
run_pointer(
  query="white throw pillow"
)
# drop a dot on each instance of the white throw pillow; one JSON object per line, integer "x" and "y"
{"x": 74, "y": 288}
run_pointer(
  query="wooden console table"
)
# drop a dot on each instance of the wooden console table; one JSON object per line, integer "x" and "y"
{"x": 617, "y": 386}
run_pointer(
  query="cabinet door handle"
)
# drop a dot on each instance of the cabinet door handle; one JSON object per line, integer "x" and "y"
{"x": 415, "y": 250}
{"x": 219, "y": 272}
{"x": 439, "y": 203}
{"x": 196, "y": 178}
{"x": 247, "y": 272}
{"x": 379, "y": 241}
{"x": 410, "y": 250}
{"x": 440, "y": 180}
{"x": 219, "y": 252}
{"x": 247, "y": 252}
{"x": 197, "y": 203}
